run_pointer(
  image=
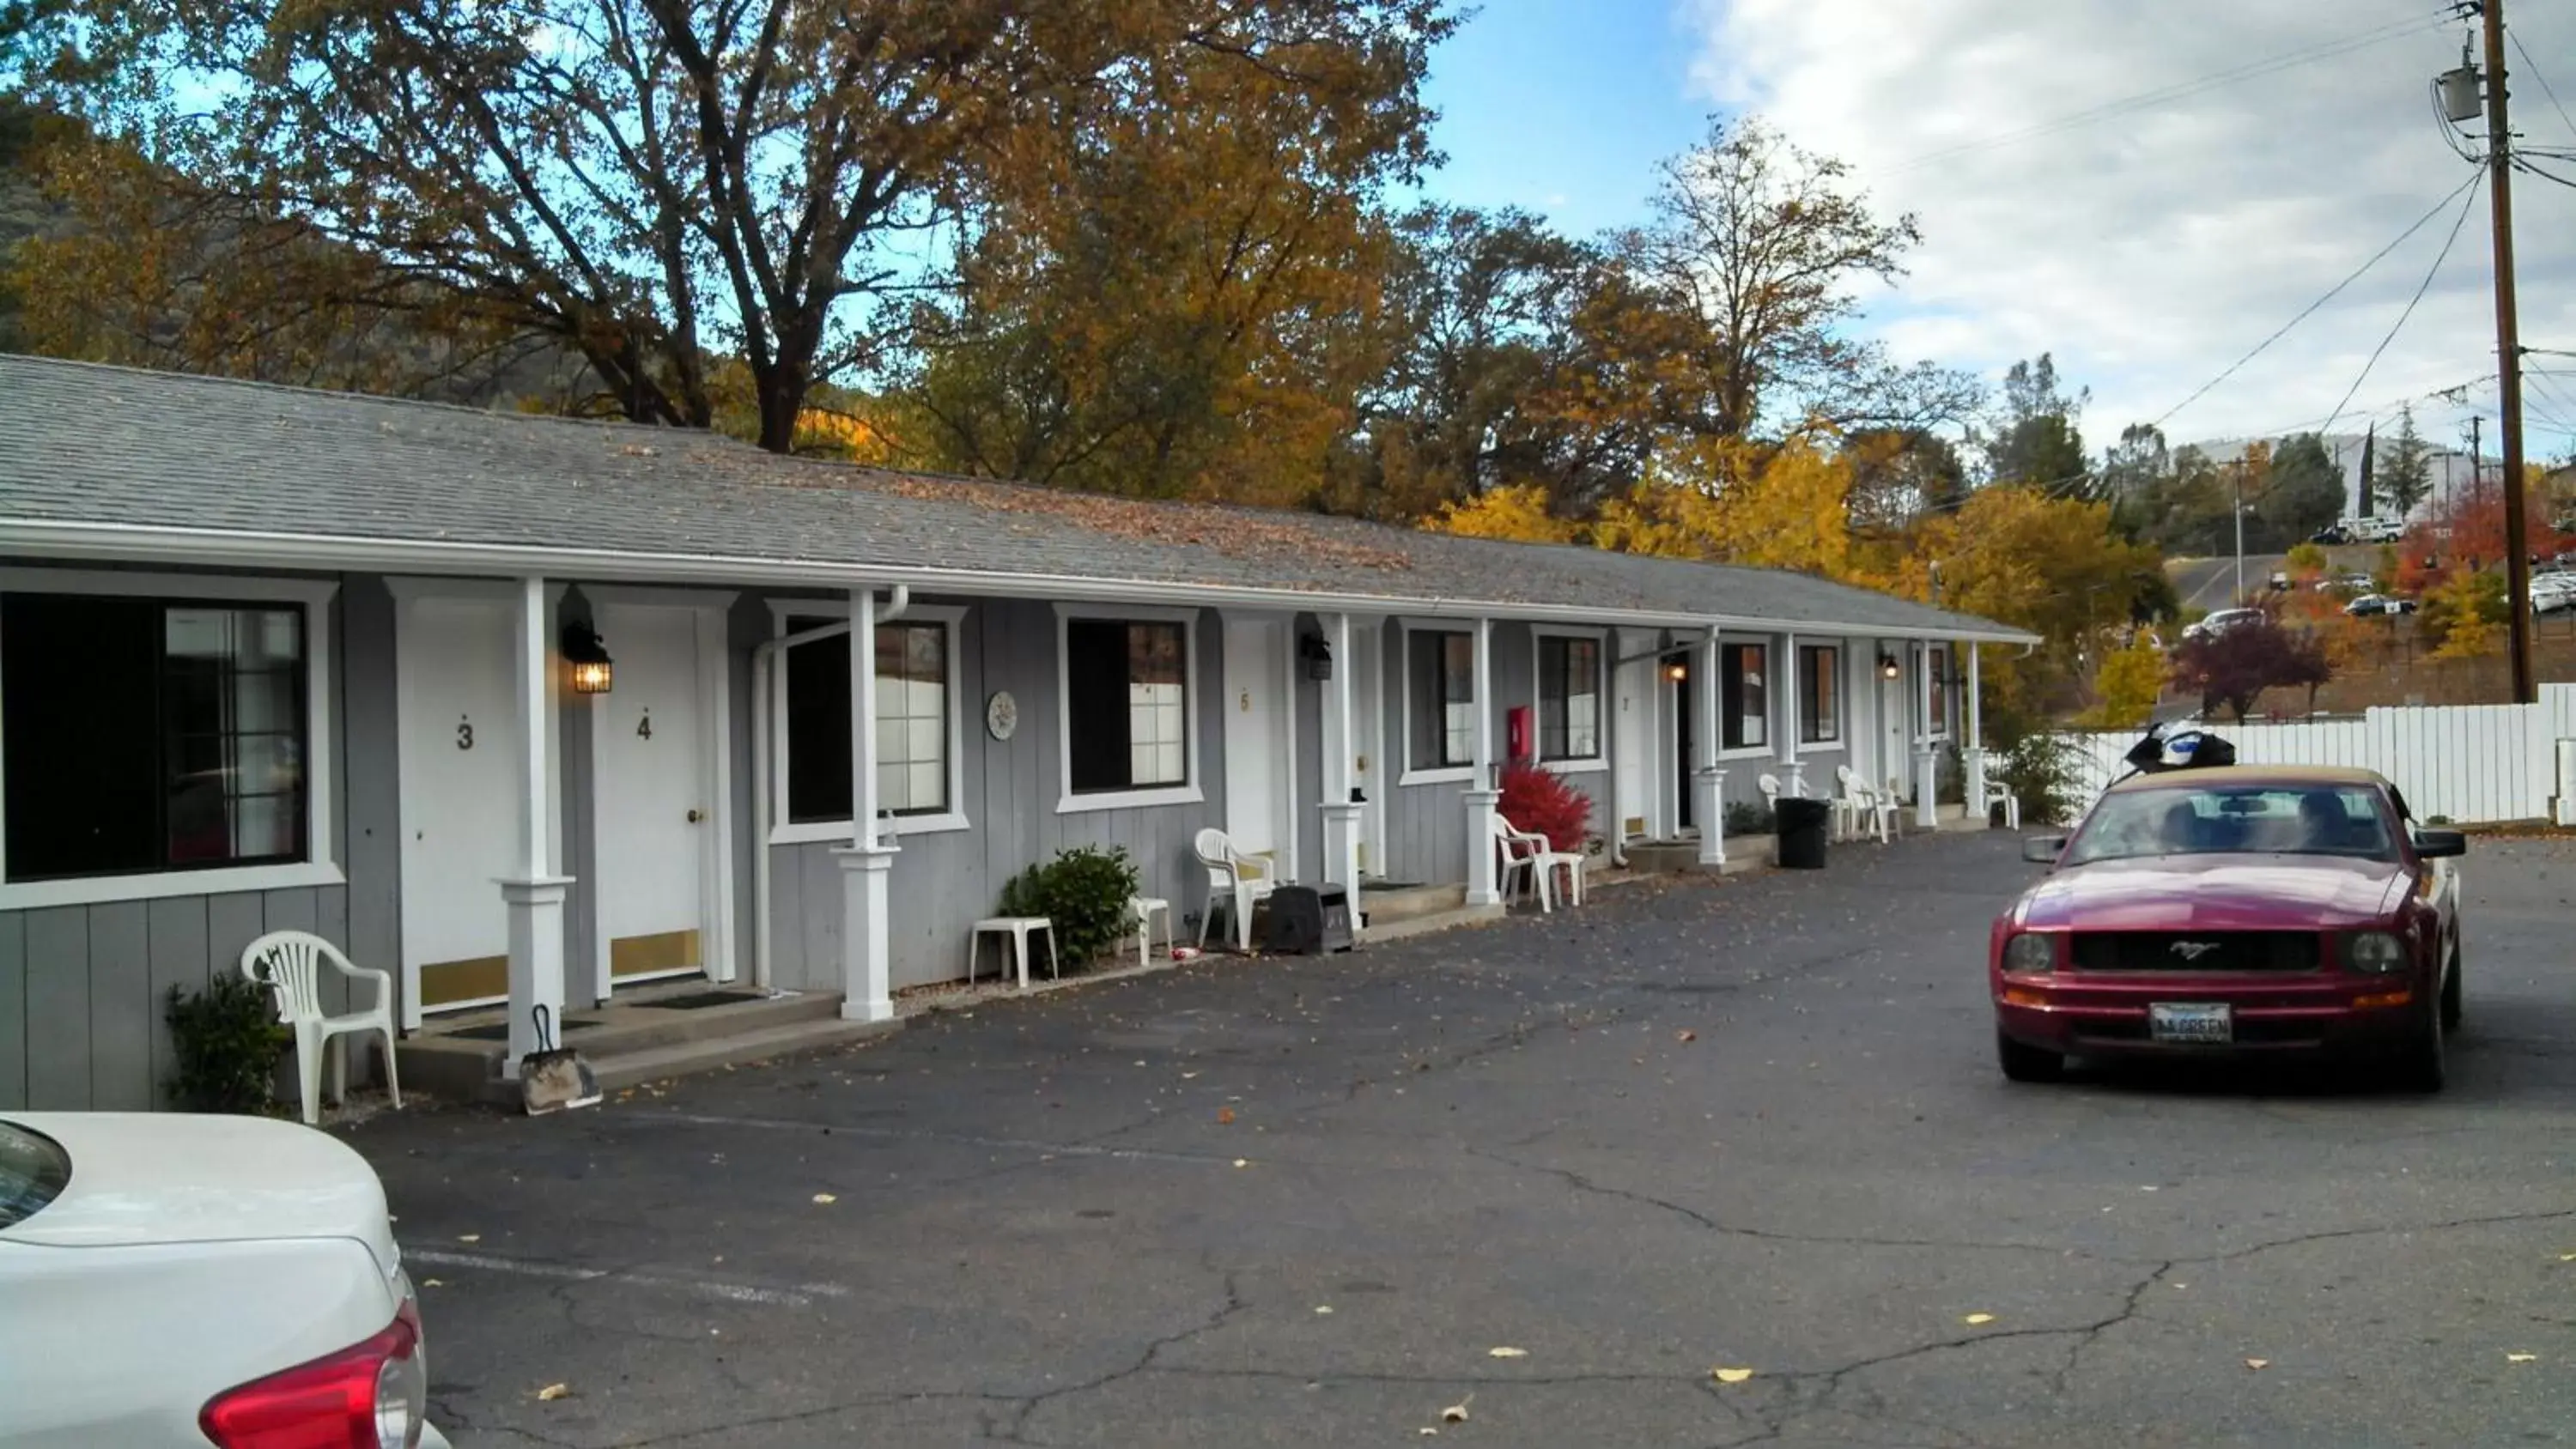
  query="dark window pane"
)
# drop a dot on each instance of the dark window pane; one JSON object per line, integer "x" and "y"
{"x": 1440, "y": 682}
{"x": 1095, "y": 679}
{"x": 1569, "y": 698}
{"x": 1744, "y": 695}
{"x": 818, "y": 726}
{"x": 1820, "y": 694}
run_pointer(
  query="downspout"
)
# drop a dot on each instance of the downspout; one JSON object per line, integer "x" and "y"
{"x": 762, "y": 657}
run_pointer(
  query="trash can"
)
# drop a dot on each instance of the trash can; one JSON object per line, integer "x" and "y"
{"x": 1803, "y": 825}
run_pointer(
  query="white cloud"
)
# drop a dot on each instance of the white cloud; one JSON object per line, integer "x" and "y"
{"x": 2150, "y": 249}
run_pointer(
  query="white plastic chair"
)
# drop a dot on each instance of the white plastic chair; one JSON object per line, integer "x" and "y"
{"x": 1862, "y": 801}
{"x": 1998, "y": 793}
{"x": 289, "y": 964}
{"x": 1527, "y": 851}
{"x": 1243, "y": 881}
{"x": 1771, "y": 788}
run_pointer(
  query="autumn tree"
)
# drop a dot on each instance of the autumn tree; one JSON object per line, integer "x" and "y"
{"x": 2125, "y": 688}
{"x": 2233, "y": 667}
{"x": 2403, "y": 473}
{"x": 1757, "y": 244}
{"x": 1900, "y": 473}
{"x": 1785, "y": 507}
{"x": 1517, "y": 513}
{"x": 650, "y": 183}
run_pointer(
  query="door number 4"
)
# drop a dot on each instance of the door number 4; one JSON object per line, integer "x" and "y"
{"x": 644, "y": 726}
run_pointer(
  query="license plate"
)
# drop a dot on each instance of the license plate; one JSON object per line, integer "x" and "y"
{"x": 2191, "y": 1021}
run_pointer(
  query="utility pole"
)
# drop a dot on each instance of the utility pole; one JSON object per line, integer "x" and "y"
{"x": 2517, "y": 547}
{"x": 2240, "y": 533}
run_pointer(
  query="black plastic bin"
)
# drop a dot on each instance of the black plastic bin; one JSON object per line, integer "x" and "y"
{"x": 1803, "y": 825}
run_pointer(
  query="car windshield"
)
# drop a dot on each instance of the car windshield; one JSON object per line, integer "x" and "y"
{"x": 2187, "y": 819}
{"x": 33, "y": 1169}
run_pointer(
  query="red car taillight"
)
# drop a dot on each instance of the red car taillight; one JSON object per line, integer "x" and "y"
{"x": 367, "y": 1396}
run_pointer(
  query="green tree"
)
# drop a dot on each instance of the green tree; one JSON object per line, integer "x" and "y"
{"x": 2304, "y": 493}
{"x": 2404, "y": 470}
{"x": 2035, "y": 440}
{"x": 1902, "y": 473}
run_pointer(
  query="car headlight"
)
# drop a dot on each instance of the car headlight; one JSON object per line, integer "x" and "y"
{"x": 2376, "y": 952}
{"x": 2030, "y": 953}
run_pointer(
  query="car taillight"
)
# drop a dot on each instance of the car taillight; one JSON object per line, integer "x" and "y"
{"x": 367, "y": 1396}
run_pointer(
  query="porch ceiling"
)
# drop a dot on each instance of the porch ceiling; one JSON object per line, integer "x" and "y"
{"x": 101, "y": 461}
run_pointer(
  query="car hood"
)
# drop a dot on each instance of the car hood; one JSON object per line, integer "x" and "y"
{"x": 2216, "y": 893}
{"x": 165, "y": 1177}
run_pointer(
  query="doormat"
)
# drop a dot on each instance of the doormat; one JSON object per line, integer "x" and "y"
{"x": 698, "y": 999}
{"x": 500, "y": 1030}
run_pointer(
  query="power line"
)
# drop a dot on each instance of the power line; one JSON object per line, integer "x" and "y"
{"x": 2421, "y": 288}
{"x": 2331, "y": 293}
{"x": 2546, "y": 89}
{"x": 2525, "y": 165}
{"x": 2325, "y": 50}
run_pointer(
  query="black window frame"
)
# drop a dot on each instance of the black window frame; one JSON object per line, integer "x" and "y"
{"x": 1820, "y": 680}
{"x": 1447, "y": 677}
{"x": 1733, "y": 657}
{"x": 1103, "y": 763}
{"x": 39, "y": 748}
{"x": 1555, "y": 715}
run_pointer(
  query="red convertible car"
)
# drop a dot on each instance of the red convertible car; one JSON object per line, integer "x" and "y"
{"x": 2240, "y": 910}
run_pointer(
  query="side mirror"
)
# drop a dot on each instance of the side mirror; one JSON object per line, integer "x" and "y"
{"x": 2440, "y": 844}
{"x": 2043, "y": 849}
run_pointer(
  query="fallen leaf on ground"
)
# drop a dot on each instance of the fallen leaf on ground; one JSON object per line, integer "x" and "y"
{"x": 2567, "y": 1257}
{"x": 555, "y": 1391}
{"x": 1976, "y": 1318}
{"x": 1685, "y": 1036}
{"x": 1225, "y": 1116}
{"x": 1507, "y": 1353}
{"x": 825, "y": 1198}
{"x": 1323, "y": 1308}
{"x": 2520, "y": 1357}
{"x": 1429, "y": 1433}
{"x": 1243, "y": 1162}
{"x": 432, "y": 1283}
{"x": 1730, "y": 1375}
{"x": 469, "y": 1237}
{"x": 1457, "y": 1413}
{"x": 2258, "y": 1363}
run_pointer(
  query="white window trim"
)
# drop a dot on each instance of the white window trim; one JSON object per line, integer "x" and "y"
{"x": 952, "y": 617}
{"x": 1770, "y": 726}
{"x": 1405, "y": 629}
{"x": 1189, "y": 791}
{"x": 1598, "y": 761}
{"x": 1842, "y": 697}
{"x": 316, "y": 596}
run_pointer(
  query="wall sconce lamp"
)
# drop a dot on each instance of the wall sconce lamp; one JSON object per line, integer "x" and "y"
{"x": 1888, "y": 668}
{"x": 1316, "y": 655}
{"x": 593, "y": 672}
{"x": 1677, "y": 671}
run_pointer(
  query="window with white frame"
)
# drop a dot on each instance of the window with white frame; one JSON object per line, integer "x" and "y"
{"x": 1440, "y": 691}
{"x": 1569, "y": 698}
{"x": 1820, "y": 694}
{"x": 1744, "y": 695}
{"x": 915, "y": 774}
{"x": 155, "y": 734}
{"x": 1127, "y": 715}
{"x": 1937, "y": 659}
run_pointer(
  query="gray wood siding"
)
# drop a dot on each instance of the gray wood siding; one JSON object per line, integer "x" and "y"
{"x": 944, "y": 882}
{"x": 83, "y": 988}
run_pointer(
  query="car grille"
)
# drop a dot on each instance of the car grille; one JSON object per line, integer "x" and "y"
{"x": 2182, "y": 951}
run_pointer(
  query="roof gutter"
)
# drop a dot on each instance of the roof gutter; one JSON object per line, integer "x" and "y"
{"x": 340, "y": 553}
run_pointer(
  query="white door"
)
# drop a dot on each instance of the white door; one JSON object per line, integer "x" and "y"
{"x": 1367, "y": 665}
{"x": 1257, "y": 739}
{"x": 1633, "y": 698}
{"x": 1896, "y": 716}
{"x": 655, "y": 793}
{"x": 458, "y": 736}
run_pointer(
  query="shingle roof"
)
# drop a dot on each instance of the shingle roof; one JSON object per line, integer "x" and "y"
{"x": 89, "y": 445}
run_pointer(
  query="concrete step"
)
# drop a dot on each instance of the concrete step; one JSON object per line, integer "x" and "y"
{"x": 679, "y": 1059}
{"x": 1405, "y": 903}
{"x": 445, "y": 1064}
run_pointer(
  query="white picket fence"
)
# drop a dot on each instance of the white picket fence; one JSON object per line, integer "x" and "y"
{"x": 2469, "y": 763}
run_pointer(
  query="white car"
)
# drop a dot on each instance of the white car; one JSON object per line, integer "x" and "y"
{"x": 2222, "y": 621}
{"x": 170, "y": 1280}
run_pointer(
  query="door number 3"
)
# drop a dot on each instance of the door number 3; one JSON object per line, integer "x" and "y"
{"x": 644, "y": 726}
{"x": 464, "y": 733}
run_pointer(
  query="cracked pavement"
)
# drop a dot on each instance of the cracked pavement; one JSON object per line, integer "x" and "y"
{"x": 1753, "y": 1123}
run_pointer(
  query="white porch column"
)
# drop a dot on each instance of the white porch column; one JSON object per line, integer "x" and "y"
{"x": 868, "y": 860}
{"x": 1342, "y": 823}
{"x": 1973, "y": 757}
{"x": 1709, "y": 807}
{"x": 1927, "y": 779}
{"x": 533, "y": 893}
{"x": 1792, "y": 776}
{"x": 1481, "y": 797}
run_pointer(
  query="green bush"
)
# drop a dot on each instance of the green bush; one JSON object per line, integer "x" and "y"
{"x": 2046, "y": 774}
{"x": 1750, "y": 817}
{"x": 1085, "y": 891}
{"x": 228, "y": 1040}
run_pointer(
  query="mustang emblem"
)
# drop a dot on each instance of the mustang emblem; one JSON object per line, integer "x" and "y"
{"x": 2192, "y": 950}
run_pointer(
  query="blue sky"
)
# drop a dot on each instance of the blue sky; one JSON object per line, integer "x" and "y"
{"x": 1563, "y": 107}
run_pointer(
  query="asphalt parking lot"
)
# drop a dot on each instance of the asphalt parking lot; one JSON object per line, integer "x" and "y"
{"x": 1551, "y": 1174}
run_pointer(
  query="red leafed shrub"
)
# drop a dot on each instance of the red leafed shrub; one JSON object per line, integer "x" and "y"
{"x": 1540, "y": 801}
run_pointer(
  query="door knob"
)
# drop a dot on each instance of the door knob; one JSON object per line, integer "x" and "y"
{"x": 693, "y": 817}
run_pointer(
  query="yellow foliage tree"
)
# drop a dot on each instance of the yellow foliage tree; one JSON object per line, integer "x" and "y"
{"x": 1518, "y": 514}
{"x": 2127, "y": 688}
{"x": 1788, "y": 508}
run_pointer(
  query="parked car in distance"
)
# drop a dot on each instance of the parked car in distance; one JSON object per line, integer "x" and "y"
{"x": 2370, "y": 604}
{"x": 199, "y": 1280}
{"x": 2221, "y": 621}
{"x": 2354, "y": 583}
{"x": 2252, "y": 910}
{"x": 2331, "y": 535}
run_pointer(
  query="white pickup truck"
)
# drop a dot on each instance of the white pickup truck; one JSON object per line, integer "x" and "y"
{"x": 170, "y": 1280}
